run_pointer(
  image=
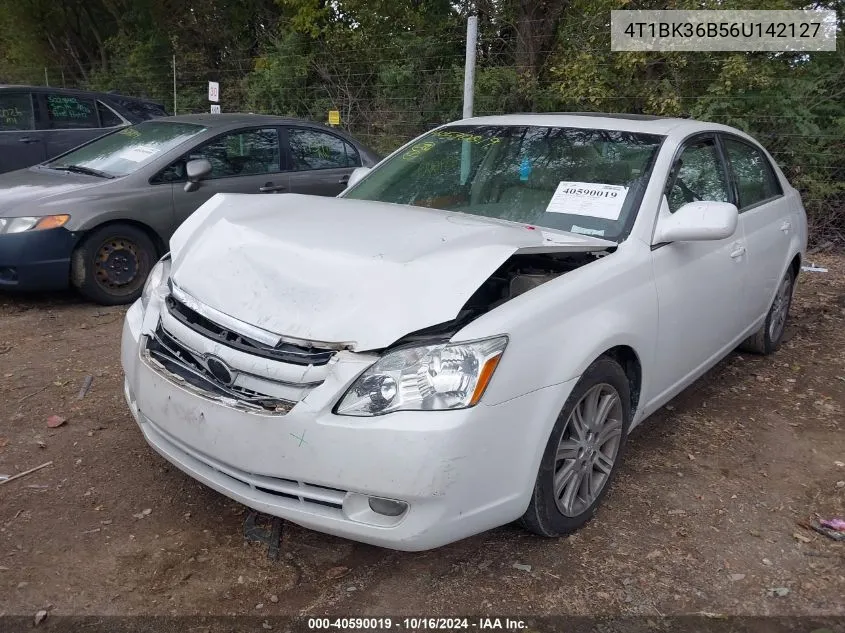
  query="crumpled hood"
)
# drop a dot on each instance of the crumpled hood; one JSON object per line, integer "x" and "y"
{"x": 24, "y": 191}
{"x": 345, "y": 271}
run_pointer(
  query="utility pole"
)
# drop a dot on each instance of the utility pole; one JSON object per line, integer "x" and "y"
{"x": 174, "y": 85}
{"x": 469, "y": 91}
{"x": 469, "y": 67}
{"x": 46, "y": 79}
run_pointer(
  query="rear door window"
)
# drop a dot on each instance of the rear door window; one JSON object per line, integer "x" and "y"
{"x": 752, "y": 174}
{"x": 15, "y": 111}
{"x": 67, "y": 112}
{"x": 312, "y": 149}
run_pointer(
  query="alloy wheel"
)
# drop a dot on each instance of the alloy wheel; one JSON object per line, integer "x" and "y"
{"x": 587, "y": 449}
{"x": 780, "y": 309}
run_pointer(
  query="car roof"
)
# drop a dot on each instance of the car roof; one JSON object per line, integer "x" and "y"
{"x": 606, "y": 121}
{"x": 232, "y": 119}
{"x": 76, "y": 91}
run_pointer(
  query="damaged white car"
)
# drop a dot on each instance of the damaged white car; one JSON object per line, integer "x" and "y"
{"x": 468, "y": 334}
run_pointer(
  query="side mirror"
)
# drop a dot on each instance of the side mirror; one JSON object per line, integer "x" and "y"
{"x": 196, "y": 170}
{"x": 697, "y": 221}
{"x": 357, "y": 174}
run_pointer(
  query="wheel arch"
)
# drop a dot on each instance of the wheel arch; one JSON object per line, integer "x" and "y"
{"x": 628, "y": 359}
{"x": 158, "y": 242}
{"x": 795, "y": 265}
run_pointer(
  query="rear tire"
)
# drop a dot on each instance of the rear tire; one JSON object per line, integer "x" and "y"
{"x": 583, "y": 453}
{"x": 111, "y": 265}
{"x": 768, "y": 338}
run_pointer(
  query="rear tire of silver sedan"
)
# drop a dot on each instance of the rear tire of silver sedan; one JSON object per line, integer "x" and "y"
{"x": 583, "y": 453}
{"x": 770, "y": 335}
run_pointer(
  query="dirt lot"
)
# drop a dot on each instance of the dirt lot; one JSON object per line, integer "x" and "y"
{"x": 705, "y": 517}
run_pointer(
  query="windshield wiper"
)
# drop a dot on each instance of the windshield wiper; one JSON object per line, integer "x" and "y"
{"x": 79, "y": 169}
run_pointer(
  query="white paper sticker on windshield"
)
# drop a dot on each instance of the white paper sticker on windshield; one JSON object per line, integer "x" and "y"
{"x": 591, "y": 199}
{"x": 137, "y": 154}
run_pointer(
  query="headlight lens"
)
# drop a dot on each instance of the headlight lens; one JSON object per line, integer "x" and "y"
{"x": 32, "y": 223}
{"x": 157, "y": 277}
{"x": 429, "y": 378}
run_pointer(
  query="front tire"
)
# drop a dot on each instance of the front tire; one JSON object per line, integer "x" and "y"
{"x": 583, "y": 453}
{"x": 768, "y": 338}
{"x": 111, "y": 265}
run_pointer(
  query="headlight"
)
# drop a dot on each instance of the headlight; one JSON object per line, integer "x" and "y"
{"x": 157, "y": 277}
{"x": 32, "y": 223}
{"x": 429, "y": 378}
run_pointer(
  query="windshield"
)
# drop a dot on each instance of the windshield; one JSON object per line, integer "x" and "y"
{"x": 581, "y": 180}
{"x": 127, "y": 150}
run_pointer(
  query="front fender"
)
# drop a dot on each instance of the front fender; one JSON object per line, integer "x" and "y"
{"x": 558, "y": 329}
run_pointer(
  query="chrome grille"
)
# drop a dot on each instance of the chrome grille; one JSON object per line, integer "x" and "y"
{"x": 283, "y": 352}
{"x": 190, "y": 367}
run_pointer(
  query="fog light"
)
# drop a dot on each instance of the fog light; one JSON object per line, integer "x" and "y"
{"x": 387, "y": 507}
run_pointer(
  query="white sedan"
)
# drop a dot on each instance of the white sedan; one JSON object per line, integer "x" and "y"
{"x": 467, "y": 335}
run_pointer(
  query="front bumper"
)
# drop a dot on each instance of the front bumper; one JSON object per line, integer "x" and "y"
{"x": 460, "y": 472}
{"x": 36, "y": 260}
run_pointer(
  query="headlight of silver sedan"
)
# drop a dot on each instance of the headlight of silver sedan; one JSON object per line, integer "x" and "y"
{"x": 32, "y": 223}
{"x": 426, "y": 378}
{"x": 158, "y": 276}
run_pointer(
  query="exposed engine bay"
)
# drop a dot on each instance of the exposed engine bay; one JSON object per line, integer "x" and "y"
{"x": 519, "y": 274}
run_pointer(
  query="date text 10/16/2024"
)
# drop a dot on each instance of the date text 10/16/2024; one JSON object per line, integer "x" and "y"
{"x": 417, "y": 624}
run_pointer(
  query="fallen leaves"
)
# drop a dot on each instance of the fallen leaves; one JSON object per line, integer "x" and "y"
{"x": 55, "y": 421}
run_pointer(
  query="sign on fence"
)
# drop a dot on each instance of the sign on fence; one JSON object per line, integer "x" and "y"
{"x": 334, "y": 117}
{"x": 213, "y": 91}
{"x": 215, "y": 108}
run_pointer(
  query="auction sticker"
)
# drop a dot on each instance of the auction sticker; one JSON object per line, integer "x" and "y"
{"x": 590, "y": 199}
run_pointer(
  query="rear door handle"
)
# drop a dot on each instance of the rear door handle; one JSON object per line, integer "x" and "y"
{"x": 738, "y": 252}
{"x": 270, "y": 188}
{"x": 786, "y": 226}
{"x": 27, "y": 139}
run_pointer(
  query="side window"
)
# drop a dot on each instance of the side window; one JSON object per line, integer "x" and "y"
{"x": 697, "y": 175}
{"x": 15, "y": 111}
{"x": 312, "y": 149}
{"x": 65, "y": 112}
{"x": 246, "y": 153}
{"x": 754, "y": 177}
{"x": 107, "y": 116}
{"x": 352, "y": 157}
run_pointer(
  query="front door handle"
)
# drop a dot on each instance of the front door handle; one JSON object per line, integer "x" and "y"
{"x": 738, "y": 252}
{"x": 786, "y": 226}
{"x": 344, "y": 180}
{"x": 27, "y": 140}
{"x": 270, "y": 188}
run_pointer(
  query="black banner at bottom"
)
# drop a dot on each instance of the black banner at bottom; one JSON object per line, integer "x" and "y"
{"x": 703, "y": 623}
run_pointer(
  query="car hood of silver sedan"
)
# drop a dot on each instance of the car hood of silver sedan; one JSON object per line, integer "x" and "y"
{"x": 352, "y": 272}
{"x": 38, "y": 189}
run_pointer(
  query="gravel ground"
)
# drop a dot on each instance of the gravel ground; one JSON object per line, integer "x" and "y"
{"x": 706, "y": 516}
